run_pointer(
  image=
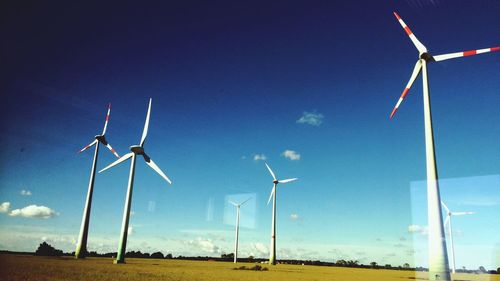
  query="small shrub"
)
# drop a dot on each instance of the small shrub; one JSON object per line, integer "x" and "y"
{"x": 255, "y": 267}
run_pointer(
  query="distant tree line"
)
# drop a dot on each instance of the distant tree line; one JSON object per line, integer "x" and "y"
{"x": 44, "y": 249}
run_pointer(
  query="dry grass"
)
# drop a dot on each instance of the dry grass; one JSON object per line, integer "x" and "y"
{"x": 66, "y": 268}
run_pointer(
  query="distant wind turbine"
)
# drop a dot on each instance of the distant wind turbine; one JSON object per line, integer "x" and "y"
{"x": 81, "y": 247}
{"x": 438, "y": 259}
{"x": 237, "y": 227}
{"x": 449, "y": 214}
{"x": 136, "y": 150}
{"x": 272, "y": 250}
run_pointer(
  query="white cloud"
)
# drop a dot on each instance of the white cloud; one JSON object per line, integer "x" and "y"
{"x": 259, "y": 157}
{"x": 205, "y": 245}
{"x": 33, "y": 211}
{"x": 290, "y": 154}
{"x": 261, "y": 249}
{"x": 5, "y": 207}
{"x": 294, "y": 217}
{"x": 25, "y": 193}
{"x": 130, "y": 230}
{"x": 414, "y": 228}
{"x": 311, "y": 118}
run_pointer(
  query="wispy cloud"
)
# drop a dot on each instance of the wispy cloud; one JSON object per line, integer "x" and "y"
{"x": 481, "y": 201}
{"x": 25, "y": 193}
{"x": 259, "y": 157}
{"x": 130, "y": 230}
{"x": 414, "y": 228}
{"x": 34, "y": 211}
{"x": 311, "y": 118}
{"x": 5, "y": 207}
{"x": 291, "y": 154}
{"x": 294, "y": 217}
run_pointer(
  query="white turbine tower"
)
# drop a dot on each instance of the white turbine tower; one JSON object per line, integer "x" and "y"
{"x": 438, "y": 259}
{"x": 237, "y": 226}
{"x": 136, "y": 150}
{"x": 81, "y": 247}
{"x": 449, "y": 214}
{"x": 272, "y": 250}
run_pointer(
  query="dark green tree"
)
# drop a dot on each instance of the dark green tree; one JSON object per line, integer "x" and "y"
{"x": 46, "y": 250}
{"x": 157, "y": 255}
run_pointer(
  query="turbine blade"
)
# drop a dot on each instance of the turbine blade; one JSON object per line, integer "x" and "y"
{"x": 146, "y": 124}
{"x": 88, "y": 146}
{"x": 462, "y": 213}
{"x": 107, "y": 119}
{"x": 465, "y": 54}
{"x": 416, "y": 71}
{"x": 446, "y": 207}
{"x": 420, "y": 47}
{"x": 231, "y": 202}
{"x": 270, "y": 171}
{"x": 271, "y": 195}
{"x": 287, "y": 180}
{"x": 245, "y": 201}
{"x": 123, "y": 158}
{"x": 447, "y": 220}
{"x": 155, "y": 167}
{"x": 112, "y": 150}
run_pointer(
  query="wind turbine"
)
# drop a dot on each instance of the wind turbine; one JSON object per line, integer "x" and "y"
{"x": 272, "y": 257}
{"x": 81, "y": 247}
{"x": 237, "y": 226}
{"x": 136, "y": 150}
{"x": 449, "y": 214}
{"x": 438, "y": 259}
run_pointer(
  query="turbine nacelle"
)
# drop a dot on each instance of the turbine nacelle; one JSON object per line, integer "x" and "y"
{"x": 137, "y": 149}
{"x": 427, "y": 57}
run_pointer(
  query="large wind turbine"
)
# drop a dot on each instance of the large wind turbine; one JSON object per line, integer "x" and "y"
{"x": 237, "y": 227}
{"x": 136, "y": 150}
{"x": 272, "y": 250}
{"x": 449, "y": 214}
{"x": 81, "y": 247}
{"x": 438, "y": 259}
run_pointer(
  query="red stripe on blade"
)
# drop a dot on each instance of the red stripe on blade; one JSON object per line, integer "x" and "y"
{"x": 397, "y": 16}
{"x": 405, "y": 92}
{"x": 470, "y": 53}
{"x": 393, "y": 112}
{"x": 495, "y": 49}
{"x": 408, "y": 31}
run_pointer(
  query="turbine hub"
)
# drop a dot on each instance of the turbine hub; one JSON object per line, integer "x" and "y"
{"x": 101, "y": 138}
{"x": 137, "y": 149}
{"x": 275, "y": 181}
{"x": 427, "y": 57}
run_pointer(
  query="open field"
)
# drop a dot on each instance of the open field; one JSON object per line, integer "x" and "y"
{"x": 14, "y": 267}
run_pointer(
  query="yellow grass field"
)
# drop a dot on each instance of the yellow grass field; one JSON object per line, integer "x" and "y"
{"x": 13, "y": 267}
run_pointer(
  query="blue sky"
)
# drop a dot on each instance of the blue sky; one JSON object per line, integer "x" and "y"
{"x": 230, "y": 81}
